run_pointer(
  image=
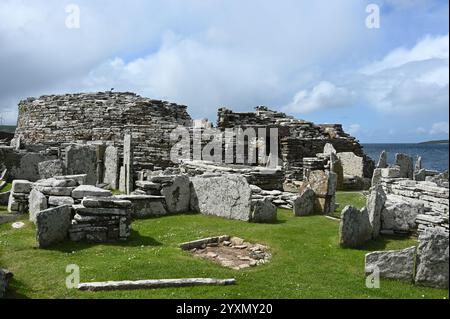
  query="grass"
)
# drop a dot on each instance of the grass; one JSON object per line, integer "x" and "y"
{"x": 307, "y": 261}
{"x": 6, "y": 188}
{"x": 356, "y": 199}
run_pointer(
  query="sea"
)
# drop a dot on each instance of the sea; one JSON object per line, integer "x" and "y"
{"x": 434, "y": 156}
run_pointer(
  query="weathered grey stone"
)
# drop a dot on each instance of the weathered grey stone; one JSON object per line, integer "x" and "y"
{"x": 354, "y": 228}
{"x": 337, "y": 168}
{"x": 106, "y": 202}
{"x": 329, "y": 149}
{"x": 263, "y": 211}
{"x": 90, "y": 191}
{"x": 432, "y": 259}
{"x": 390, "y": 172}
{"x": 21, "y": 186}
{"x": 4, "y": 198}
{"x": 111, "y": 175}
{"x": 5, "y": 277}
{"x": 420, "y": 175}
{"x": 60, "y": 200}
{"x": 304, "y": 203}
{"x": 177, "y": 194}
{"x": 382, "y": 161}
{"x": 353, "y": 165}
{"x": 145, "y": 206}
{"x": 52, "y": 225}
{"x": 80, "y": 179}
{"x": 225, "y": 196}
{"x": 54, "y": 182}
{"x": 399, "y": 214}
{"x": 48, "y": 169}
{"x": 36, "y": 202}
{"x": 323, "y": 183}
{"x": 418, "y": 165}
{"x": 89, "y": 211}
{"x": 392, "y": 264}
{"x": 376, "y": 178}
{"x": 82, "y": 159}
{"x": 126, "y": 174}
{"x": 405, "y": 164}
{"x": 375, "y": 205}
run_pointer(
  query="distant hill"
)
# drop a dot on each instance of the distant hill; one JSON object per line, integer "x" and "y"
{"x": 7, "y": 128}
{"x": 436, "y": 142}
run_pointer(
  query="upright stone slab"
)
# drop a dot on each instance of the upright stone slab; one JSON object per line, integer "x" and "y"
{"x": 353, "y": 165}
{"x": 227, "y": 196}
{"x": 52, "y": 225}
{"x": 432, "y": 259}
{"x": 329, "y": 149}
{"x": 5, "y": 277}
{"x": 323, "y": 183}
{"x": 49, "y": 169}
{"x": 405, "y": 163}
{"x": 82, "y": 159}
{"x": 177, "y": 194}
{"x": 337, "y": 168}
{"x": 127, "y": 164}
{"x": 37, "y": 202}
{"x": 354, "y": 228}
{"x": 382, "y": 161}
{"x": 263, "y": 211}
{"x": 111, "y": 175}
{"x": 392, "y": 264}
{"x": 376, "y": 178}
{"x": 375, "y": 205}
{"x": 100, "y": 154}
{"x": 304, "y": 203}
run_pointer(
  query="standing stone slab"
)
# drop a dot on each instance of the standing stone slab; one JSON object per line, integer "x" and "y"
{"x": 56, "y": 201}
{"x": 52, "y": 225}
{"x": 82, "y": 159}
{"x": 375, "y": 205}
{"x": 432, "y": 259}
{"x": 127, "y": 173}
{"x": 393, "y": 264}
{"x": 382, "y": 161}
{"x": 337, "y": 168}
{"x": 304, "y": 203}
{"x": 50, "y": 169}
{"x": 376, "y": 177}
{"x": 111, "y": 175}
{"x": 5, "y": 277}
{"x": 405, "y": 163}
{"x": 354, "y": 228}
{"x": 323, "y": 183}
{"x": 37, "y": 202}
{"x": 226, "y": 196}
{"x": 353, "y": 165}
{"x": 177, "y": 194}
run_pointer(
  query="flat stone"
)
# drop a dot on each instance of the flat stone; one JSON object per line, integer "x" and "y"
{"x": 81, "y": 210}
{"x": 60, "y": 200}
{"x": 105, "y": 202}
{"x": 90, "y": 191}
{"x": 21, "y": 186}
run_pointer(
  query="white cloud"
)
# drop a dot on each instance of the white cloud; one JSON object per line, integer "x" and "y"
{"x": 323, "y": 96}
{"x": 439, "y": 128}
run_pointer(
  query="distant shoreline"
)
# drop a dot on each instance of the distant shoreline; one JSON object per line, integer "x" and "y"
{"x": 435, "y": 142}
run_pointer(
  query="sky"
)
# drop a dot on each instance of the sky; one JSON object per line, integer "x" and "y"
{"x": 386, "y": 80}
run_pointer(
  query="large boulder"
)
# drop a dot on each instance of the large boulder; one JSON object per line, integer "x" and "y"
{"x": 354, "y": 228}
{"x": 399, "y": 213}
{"x": 5, "y": 277}
{"x": 52, "y": 225}
{"x": 177, "y": 194}
{"x": 432, "y": 258}
{"x": 375, "y": 205}
{"x": 393, "y": 264}
{"x": 227, "y": 196}
{"x": 36, "y": 202}
{"x": 304, "y": 203}
{"x": 406, "y": 165}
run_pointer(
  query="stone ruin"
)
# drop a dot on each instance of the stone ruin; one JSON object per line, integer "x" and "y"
{"x": 405, "y": 199}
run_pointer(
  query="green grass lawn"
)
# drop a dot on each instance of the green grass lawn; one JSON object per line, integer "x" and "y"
{"x": 6, "y": 188}
{"x": 307, "y": 261}
{"x": 356, "y": 199}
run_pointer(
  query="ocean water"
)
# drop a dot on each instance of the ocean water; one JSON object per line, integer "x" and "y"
{"x": 434, "y": 156}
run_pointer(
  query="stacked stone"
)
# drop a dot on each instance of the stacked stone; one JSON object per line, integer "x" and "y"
{"x": 18, "y": 198}
{"x": 278, "y": 198}
{"x": 315, "y": 164}
{"x": 265, "y": 178}
{"x": 100, "y": 217}
{"x": 430, "y": 196}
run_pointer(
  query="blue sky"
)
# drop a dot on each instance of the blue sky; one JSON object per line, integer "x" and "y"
{"x": 315, "y": 60}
